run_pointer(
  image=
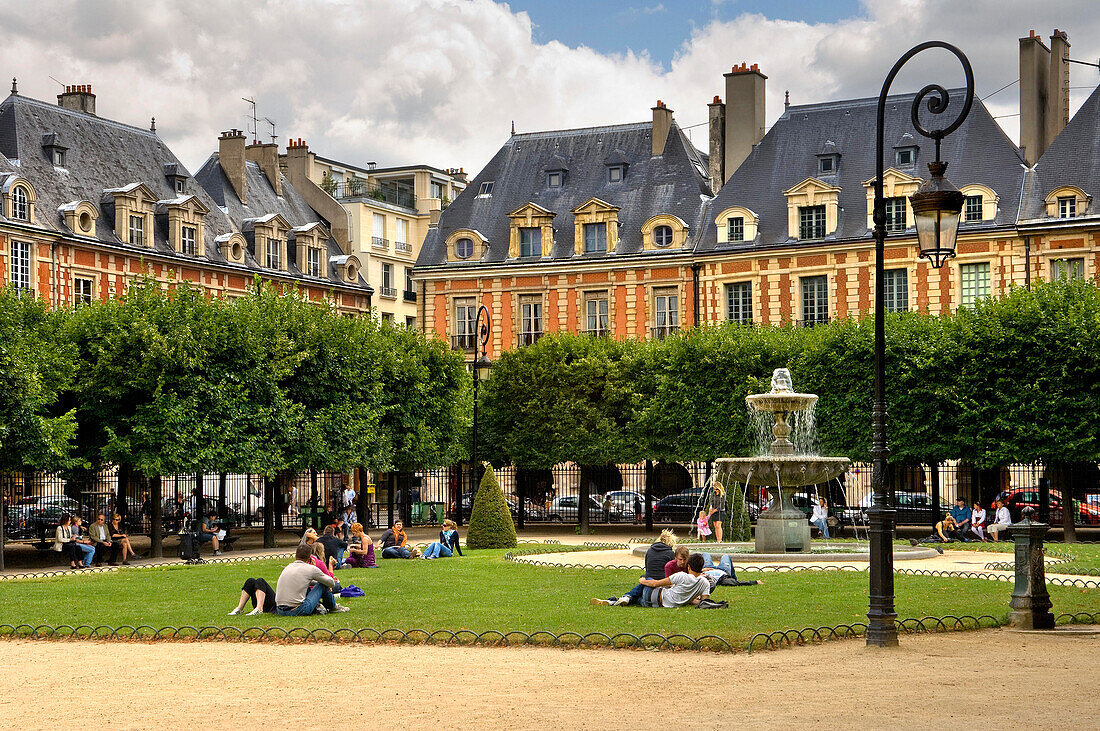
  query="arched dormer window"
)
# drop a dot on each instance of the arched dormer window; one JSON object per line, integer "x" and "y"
{"x": 466, "y": 241}
{"x": 80, "y": 217}
{"x": 664, "y": 231}
{"x": 19, "y": 199}
{"x": 979, "y": 203}
{"x": 464, "y": 247}
{"x": 20, "y": 204}
{"x": 736, "y": 224}
{"x": 1067, "y": 201}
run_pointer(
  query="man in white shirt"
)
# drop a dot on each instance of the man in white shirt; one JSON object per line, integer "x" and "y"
{"x": 349, "y": 496}
{"x": 681, "y": 589}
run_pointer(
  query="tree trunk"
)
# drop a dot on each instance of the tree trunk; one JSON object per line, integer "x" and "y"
{"x": 156, "y": 518}
{"x": 270, "y": 487}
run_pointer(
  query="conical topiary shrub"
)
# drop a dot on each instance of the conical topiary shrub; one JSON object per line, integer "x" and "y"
{"x": 491, "y": 523}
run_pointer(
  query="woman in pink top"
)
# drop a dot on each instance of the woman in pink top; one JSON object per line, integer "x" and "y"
{"x": 318, "y": 559}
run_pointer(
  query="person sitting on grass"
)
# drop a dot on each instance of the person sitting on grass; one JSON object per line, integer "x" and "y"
{"x": 395, "y": 542}
{"x": 260, "y": 593}
{"x": 962, "y": 517}
{"x": 1002, "y": 519}
{"x": 678, "y": 590}
{"x": 319, "y": 560}
{"x": 702, "y": 525}
{"x": 303, "y": 589}
{"x": 334, "y": 548}
{"x": 447, "y": 543}
{"x": 309, "y": 537}
{"x": 659, "y": 554}
{"x": 977, "y": 520}
{"x": 720, "y": 574}
{"x": 120, "y": 538}
{"x": 210, "y": 531}
{"x": 944, "y": 533}
{"x": 360, "y": 549}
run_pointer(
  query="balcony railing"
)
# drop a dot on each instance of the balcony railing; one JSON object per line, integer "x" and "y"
{"x": 388, "y": 292}
{"x": 599, "y": 332}
{"x": 402, "y": 246}
{"x": 387, "y": 193}
{"x": 409, "y": 295}
{"x": 379, "y": 243}
{"x": 528, "y": 338}
{"x": 822, "y": 320}
{"x": 662, "y": 331}
{"x": 463, "y": 342}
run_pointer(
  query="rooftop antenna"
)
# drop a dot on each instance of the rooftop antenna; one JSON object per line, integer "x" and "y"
{"x": 274, "y": 137}
{"x": 59, "y": 83}
{"x": 255, "y": 120}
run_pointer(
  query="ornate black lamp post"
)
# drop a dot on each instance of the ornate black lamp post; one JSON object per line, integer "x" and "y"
{"x": 937, "y": 206}
{"x": 481, "y": 339}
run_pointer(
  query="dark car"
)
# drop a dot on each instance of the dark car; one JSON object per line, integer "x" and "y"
{"x": 912, "y": 508}
{"x": 682, "y": 507}
{"x": 39, "y": 515}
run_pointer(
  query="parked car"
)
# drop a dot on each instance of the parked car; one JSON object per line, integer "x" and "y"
{"x": 913, "y": 508}
{"x": 37, "y": 516}
{"x": 683, "y": 507}
{"x": 624, "y": 501}
{"x": 1088, "y": 513}
{"x": 566, "y": 509}
{"x": 531, "y": 511}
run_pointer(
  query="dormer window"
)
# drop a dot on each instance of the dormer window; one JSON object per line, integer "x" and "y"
{"x": 827, "y": 164}
{"x": 616, "y": 173}
{"x": 464, "y": 248}
{"x": 59, "y": 158}
{"x": 272, "y": 250}
{"x": 530, "y": 242}
{"x": 662, "y": 236}
{"x": 972, "y": 208}
{"x": 1067, "y": 206}
{"x": 895, "y": 214}
{"x": 735, "y": 228}
{"x": 137, "y": 230}
{"x": 55, "y": 151}
{"x": 187, "y": 240}
{"x": 554, "y": 179}
{"x": 20, "y": 204}
{"x": 486, "y": 189}
{"x": 313, "y": 262}
{"x": 177, "y": 176}
{"x": 905, "y": 157}
{"x": 179, "y": 185}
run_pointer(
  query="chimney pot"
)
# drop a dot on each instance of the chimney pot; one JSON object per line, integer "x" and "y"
{"x": 717, "y": 99}
{"x": 744, "y": 118}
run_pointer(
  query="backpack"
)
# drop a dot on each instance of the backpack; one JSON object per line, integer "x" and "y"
{"x": 189, "y": 548}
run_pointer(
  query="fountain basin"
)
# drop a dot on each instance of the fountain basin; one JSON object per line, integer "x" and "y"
{"x": 780, "y": 470}
{"x": 781, "y": 402}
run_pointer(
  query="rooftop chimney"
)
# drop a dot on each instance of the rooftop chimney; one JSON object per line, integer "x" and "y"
{"x": 717, "y": 144}
{"x": 77, "y": 98}
{"x": 1044, "y": 92}
{"x": 662, "y": 123}
{"x": 266, "y": 155}
{"x": 231, "y": 156}
{"x": 744, "y": 114}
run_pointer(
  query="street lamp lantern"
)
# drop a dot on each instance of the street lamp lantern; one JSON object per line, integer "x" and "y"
{"x": 937, "y": 208}
{"x": 482, "y": 330}
{"x": 482, "y": 365}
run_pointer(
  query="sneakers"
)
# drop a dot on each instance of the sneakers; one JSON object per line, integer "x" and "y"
{"x": 217, "y": 553}
{"x": 234, "y": 612}
{"x": 601, "y": 602}
{"x": 254, "y": 612}
{"x": 914, "y": 542}
{"x": 621, "y": 601}
{"x": 322, "y": 610}
{"x": 340, "y": 608}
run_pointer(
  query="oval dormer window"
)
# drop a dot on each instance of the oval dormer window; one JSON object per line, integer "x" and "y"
{"x": 85, "y": 222}
{"x": 352, "y": 272}
{"x": 20, "y": 207}
{"x": 237, "y": 252}
{"x": 464, "y": 248}
{"x": 662, "y": 236}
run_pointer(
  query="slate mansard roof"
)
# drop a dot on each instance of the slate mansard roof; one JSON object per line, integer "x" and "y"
{"x": 1072, "y": 159}
{"x": 101, "y": 155}
{"x": 673, "y": 183}
{"x": 978, "y": 152}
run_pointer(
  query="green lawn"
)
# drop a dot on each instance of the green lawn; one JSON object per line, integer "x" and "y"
{"x": 481, "y": 591}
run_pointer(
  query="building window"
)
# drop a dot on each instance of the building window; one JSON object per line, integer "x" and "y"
{"x": 666, "y": 312}
{"x": 436, "y": 190}
{"x": 553, "y": 180}
{"x": 972, "y": 208}
{"x": 811, "y": 222}
{"x": 58, "y": 158}
{"x": 662, "y": 236}
{"x": 895, "y": 214}
{"x": 272, "y": 252}
{"x": 20, "y": 205}
{"x": 1067, "y": 206}
{"x": 387, "y": 317}
{"x": 595, "y": 237}
{"x": 402, "y": 235}
{"x": 464, "y": 248}
{"x": 826, "y": 165}
{"x": 739, "y": 302}
{"x": 896, "y": 285}
{"x": 410, "y": 286}
{"x": 530, "y": 242}
{"x": 615, "y": 174}
{"x": 486, "y": 189}
{"x": 905, "y": 157}
{"x": 530, "y": 310}
{"x": 465, "y": 319}
{"x": 975, "y": 282}
{"x": 313, "y": 262}
{"x": 137, "y": 230}
{"x": 596, "y": 310}
{"x": 1067, "y": 269}
{"x": 735, "y": 229}
{"x": 378, "y": 226}
{"x": 179, "y": 185}
{"x": 187, "y": 240}
{"x": 21, "y": 265}
{"x": 815, "y": 300}
{"x": 387, "y": 289}
{"x": 82, "y": 291}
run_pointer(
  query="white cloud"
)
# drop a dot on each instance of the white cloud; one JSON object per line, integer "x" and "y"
{"x": 439, "y": 81}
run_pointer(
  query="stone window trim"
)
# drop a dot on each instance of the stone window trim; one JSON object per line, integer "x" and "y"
{"x": 232, "y": 246}
{"x": 1062, "y": 267}
{"x": 310, "y": 240}
{"x": 896, "y": 302}
{"x": 19, "y": 199}
{"x": 809, "y": 193}
{"x": 678, "y": 227}
{"x": 530, "y": 215}
{"x": 80, "y": 217}
{"x": 21, "y": 264}
{"x": 1081, "y": 203}
{"x": 135, "y": 199}
{"x": 975, "y": 281}
{"x": 989, "y": 201}
{"x": 595, "y": 210}
{"x": 530, "y": 242}
{"x": 810, "y": 308}
{"x": 184, "y": 212}
{"x": 480, "y": 245}
{"x": 895, "y": 184}
{"x": 667, "y": 309}
{"x": 605, "y": 313}
{"x": 265, "y": 229}
{"x": 84, "y": 293}
{"x": 750, "y": 224}
{"x": 739, "y": 302}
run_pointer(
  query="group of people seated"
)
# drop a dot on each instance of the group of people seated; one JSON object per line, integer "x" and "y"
{"x": 85, "y": 547}
{"x": 965, "y": 524}
{"x": 308, "y": 585}
{"x": 676, "y": 577}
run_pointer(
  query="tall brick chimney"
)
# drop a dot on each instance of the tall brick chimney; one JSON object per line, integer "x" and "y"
{"x": 78, "y": 98}
{"x": 231, "y": 156}
{"x": 266, "y": 155}
{"x": 717, "y": 119}
{"x": 1044, "y": 92}
{"x": 662, "y": 123}
{"x": 745, "y": 87}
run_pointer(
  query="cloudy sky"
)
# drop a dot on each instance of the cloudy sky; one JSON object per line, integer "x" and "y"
{"x": 440, "y": 81}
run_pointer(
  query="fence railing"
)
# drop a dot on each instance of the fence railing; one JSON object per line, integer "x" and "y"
{"x": 355, "y": 188}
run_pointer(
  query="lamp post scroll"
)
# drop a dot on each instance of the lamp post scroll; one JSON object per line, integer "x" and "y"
{"x": 482, "y": 330}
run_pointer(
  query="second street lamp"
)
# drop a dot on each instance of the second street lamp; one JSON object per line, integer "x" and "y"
{"x": 481, "y": 363}
{"x": 936, "y": 206}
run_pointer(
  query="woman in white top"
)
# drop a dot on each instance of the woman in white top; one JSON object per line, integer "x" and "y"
{"x": 820, "y": 517}
{"x": 977, "y": 520}
{"x": 1001, "y": 519}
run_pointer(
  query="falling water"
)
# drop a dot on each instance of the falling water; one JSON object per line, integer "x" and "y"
{"x": 803, "y": 431}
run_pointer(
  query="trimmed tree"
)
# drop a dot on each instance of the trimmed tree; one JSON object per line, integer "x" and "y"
{"x": 491, "y": 523}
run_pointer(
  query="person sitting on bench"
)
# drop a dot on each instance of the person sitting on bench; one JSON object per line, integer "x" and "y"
{"x": 678, "y": 590}
{"x": 1002, "y": 520}
{"x": 962, "y": 516}
{"x": 395, "y": 542}
{"x": 81, "y": 548}
{"x": 101, "y": 541}
{"x": 121, "y": 539}
{"x": 303, "y": 589}
{"x": 211, "y": 532}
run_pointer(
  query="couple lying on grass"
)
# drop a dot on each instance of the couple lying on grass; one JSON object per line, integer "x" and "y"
{"x": 685, "y": 579}
{"x": 304, "y": 587}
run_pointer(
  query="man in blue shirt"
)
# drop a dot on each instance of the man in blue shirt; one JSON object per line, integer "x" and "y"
{"x": 962, "y": 516}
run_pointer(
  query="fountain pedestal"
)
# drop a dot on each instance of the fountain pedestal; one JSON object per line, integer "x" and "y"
{"x": 782, "y": 528}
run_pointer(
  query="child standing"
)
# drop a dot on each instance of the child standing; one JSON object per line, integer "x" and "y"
{"x": 703, "y": 525}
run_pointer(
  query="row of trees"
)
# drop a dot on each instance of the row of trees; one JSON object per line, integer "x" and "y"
{"x": 164, "y": 382}
{"x": 1015, "y": 379}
